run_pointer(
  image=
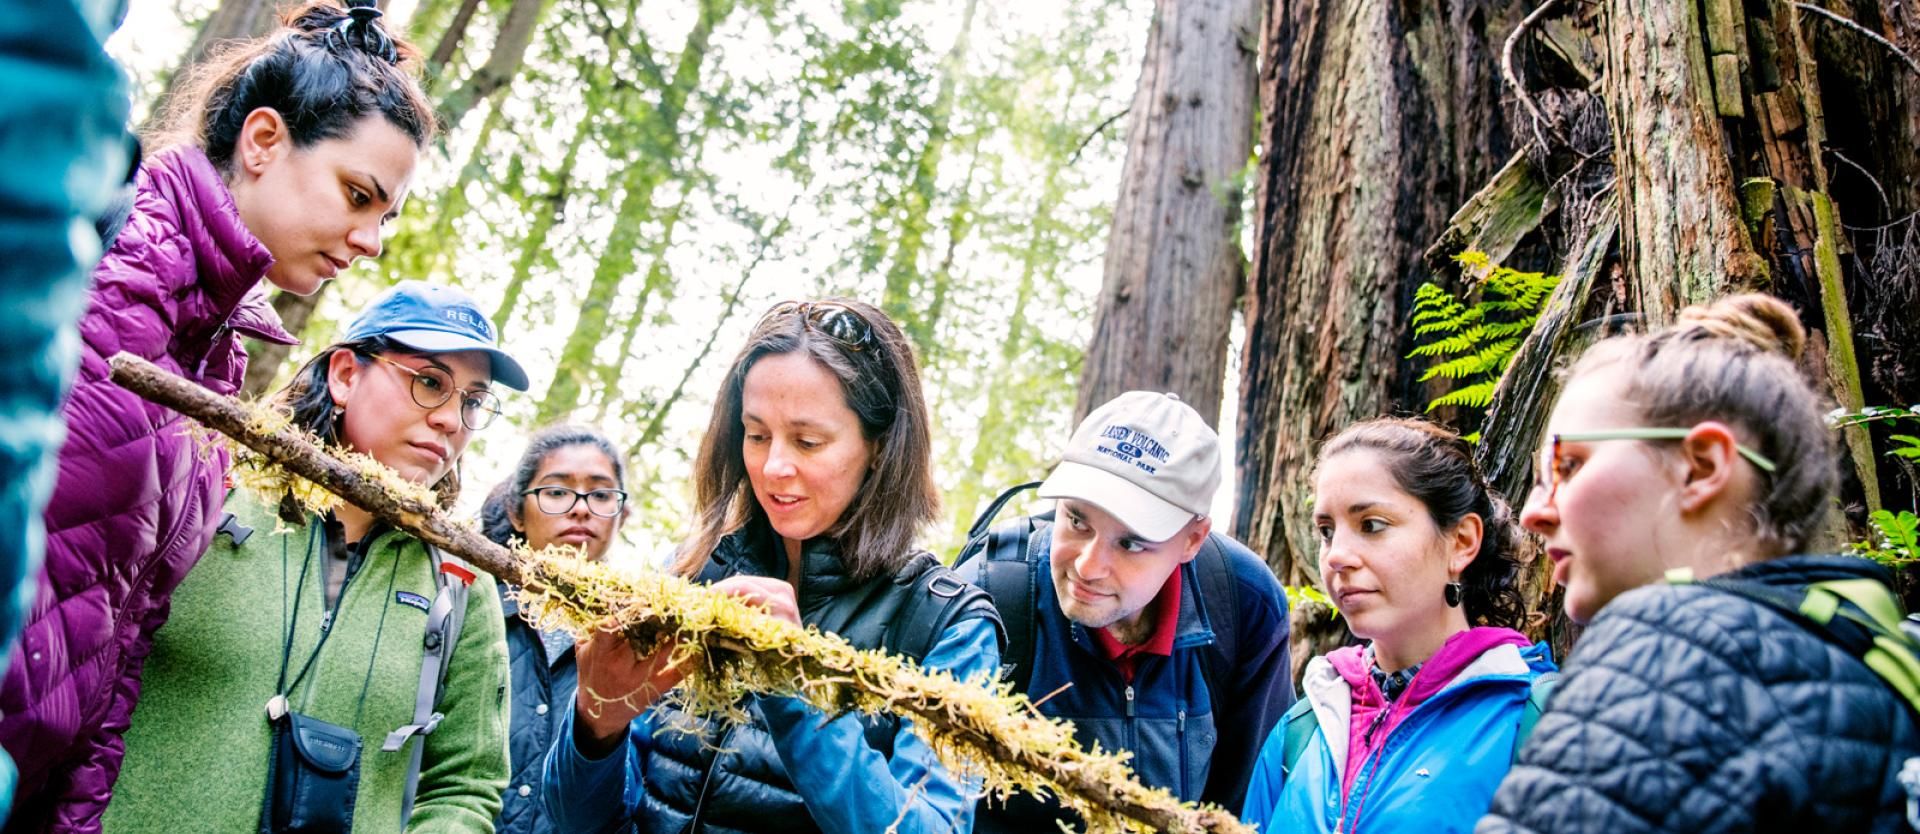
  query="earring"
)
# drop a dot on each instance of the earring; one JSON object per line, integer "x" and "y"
{"x": 1453, "y": 593}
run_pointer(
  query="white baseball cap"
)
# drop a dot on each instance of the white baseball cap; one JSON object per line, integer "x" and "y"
{"x": 1144, "y": 457}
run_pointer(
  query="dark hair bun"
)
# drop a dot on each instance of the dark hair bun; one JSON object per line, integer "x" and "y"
{"x": 1759, "y": 320}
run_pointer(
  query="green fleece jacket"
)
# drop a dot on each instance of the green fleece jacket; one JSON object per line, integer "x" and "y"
{"x": 197, "y": 750}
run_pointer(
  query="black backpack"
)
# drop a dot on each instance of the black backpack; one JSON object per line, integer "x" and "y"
{"x": 1010, "y": 573}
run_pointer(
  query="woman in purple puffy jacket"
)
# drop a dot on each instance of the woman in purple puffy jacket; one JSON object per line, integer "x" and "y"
{"x": 295, "y": 149}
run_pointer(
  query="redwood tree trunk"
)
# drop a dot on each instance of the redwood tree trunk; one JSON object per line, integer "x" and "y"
{"x": 1380, "y": 119}
{"x": 1172, "y": 266}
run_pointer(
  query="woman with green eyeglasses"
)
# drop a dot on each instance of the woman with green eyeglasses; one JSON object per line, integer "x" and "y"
{"x": 568, "y": 490}
{"x": 298, "y": 626}
{"x": 1684, "y": 473}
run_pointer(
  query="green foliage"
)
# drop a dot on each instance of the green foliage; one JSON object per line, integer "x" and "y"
{"x": 1895, "y": 542}
{"x": 1904, "y": 446}
{"x": 1472, "y": 340}
{"x": 1299, "y": 596}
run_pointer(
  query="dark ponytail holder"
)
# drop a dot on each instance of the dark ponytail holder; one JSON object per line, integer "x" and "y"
{"x": 361, "y": 30}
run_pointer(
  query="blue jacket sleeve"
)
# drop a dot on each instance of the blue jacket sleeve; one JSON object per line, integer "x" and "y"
{"x": 591, "y": 796}
{"x": 850, "y": 787}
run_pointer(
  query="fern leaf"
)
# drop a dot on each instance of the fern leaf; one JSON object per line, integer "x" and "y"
{"x": 1477, "y": 395}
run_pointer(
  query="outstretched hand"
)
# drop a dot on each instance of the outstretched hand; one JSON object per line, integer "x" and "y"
{"x": 617, "y": 684}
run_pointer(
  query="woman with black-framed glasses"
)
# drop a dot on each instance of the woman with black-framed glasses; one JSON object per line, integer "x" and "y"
{"x": 813, "y": 479}
{"x": 567, "y": 490}
{"x": 1683, "y": 474}
{"x": 303, "y": 625}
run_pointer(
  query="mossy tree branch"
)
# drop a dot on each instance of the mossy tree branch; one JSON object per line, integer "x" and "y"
{"x": 729, "y": 647}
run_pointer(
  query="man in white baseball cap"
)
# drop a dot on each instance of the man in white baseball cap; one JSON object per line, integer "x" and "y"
{"x": 1148, "y": 630}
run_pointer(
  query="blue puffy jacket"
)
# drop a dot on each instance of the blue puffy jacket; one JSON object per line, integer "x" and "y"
{"x": 1435, "y": 771}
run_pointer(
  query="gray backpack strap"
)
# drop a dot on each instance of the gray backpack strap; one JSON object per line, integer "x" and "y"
{"x": 444, "y": 618}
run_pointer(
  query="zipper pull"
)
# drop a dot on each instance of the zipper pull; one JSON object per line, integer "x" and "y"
{"x": 1181, "y": 722}
{"x": 326, "y": 621}
{"x": 1129, "y": 700}
{"x": 1378, "y": 719}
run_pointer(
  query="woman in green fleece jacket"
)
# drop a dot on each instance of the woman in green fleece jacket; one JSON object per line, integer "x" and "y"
{"x": 326, "y": 615}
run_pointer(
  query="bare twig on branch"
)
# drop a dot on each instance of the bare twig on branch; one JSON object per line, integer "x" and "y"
{"x": 1520, "y": 90}
{"x": 1075, "y": 156}
{"x": 1862, "y": 30}
{"x": 730, "y": 646}
{"x": 1885, "y": 204}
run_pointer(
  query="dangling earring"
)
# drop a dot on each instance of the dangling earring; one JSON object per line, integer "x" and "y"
{"x": 335, "y": 419}
{"x": 1454, "y": 593}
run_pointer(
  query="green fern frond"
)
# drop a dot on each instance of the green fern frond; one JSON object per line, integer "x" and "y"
{"x": 1477, "y": 395}
{"x": 1489, "y": 359}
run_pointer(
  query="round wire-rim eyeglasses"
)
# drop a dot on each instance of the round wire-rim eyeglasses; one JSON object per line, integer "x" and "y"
{"x": 432, "y": 387}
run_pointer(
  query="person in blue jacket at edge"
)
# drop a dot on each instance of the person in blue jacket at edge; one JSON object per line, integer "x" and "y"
{"x": 63, "y": 130}
{"x": 811, "y": 482}
{"x": 1148, "y": 630}
{"x": 1413, "y": 730}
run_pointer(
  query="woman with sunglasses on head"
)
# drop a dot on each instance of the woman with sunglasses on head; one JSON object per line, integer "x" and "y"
{"x": 809, "y": 487}
{"x": 1413, "y": 729}
{"x": 568, "y": 490}
{"x": 287, "y": 154}
{"x": 303, "y": 646}
{"x": 1683, "y": 472}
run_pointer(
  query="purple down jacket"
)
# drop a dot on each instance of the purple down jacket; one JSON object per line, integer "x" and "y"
{"x": 138, "y": 495}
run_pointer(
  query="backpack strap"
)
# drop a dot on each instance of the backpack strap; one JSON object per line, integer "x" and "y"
{"x": 1861, "y": 616}
{"x": 939, "y": 599}
{"x": 1298, "y": 725}
{"x": 1008, "y": 577}
{"x": 1537, "y": 695}
{"x": 1219, "y": 597}
{"x": 444, "y": 619}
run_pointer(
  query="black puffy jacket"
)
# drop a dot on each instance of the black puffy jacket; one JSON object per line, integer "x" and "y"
{"x": 1691, "y": 710}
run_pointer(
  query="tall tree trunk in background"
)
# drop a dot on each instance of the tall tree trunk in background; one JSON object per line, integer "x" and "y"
{"x": 503, "y": 63}
{"x": 451, "y": 38}
{"x": 231, "y": 20}
{"x": 662, "y": 146}
{"x": 1380, "y": 119}
{"x": 903, "y": 268}
{"x": 548, "y": 207}
{"x": 1173, "y": 267}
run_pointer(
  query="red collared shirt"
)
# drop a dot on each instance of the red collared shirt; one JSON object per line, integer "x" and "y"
{"x": 1160, "y": 642}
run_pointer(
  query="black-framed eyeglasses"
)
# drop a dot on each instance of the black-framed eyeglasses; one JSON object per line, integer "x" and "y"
{"x": 1553, "y": 472}
{"x": 559, "y": 500}
{"x": 835, "y": 321}
{"x": 432, "y": 388}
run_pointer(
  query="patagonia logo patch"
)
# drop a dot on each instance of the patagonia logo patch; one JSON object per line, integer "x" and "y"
{"x": 411, "y": 598}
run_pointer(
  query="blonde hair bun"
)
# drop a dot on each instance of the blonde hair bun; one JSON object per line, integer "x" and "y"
{"x": 1759, "y": 320}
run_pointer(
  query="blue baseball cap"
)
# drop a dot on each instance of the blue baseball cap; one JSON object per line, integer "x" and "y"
{"x": 434, "y": 319}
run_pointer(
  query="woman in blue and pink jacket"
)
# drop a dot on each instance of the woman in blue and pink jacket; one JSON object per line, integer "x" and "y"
{"x": 1414, "y": 729}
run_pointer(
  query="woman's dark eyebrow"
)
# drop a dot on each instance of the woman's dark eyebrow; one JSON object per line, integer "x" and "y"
{"x": 377, "y": 187}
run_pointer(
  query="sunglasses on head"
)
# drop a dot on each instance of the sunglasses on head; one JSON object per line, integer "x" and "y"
{"x": 832, "y": 320}
{"x": 1552, "y": 474}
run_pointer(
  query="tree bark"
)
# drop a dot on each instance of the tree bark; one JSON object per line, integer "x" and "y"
{"x": 1681, "y": 236}
{"x": 1381, "y": 118}
{"x": 1173, "y": 267}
